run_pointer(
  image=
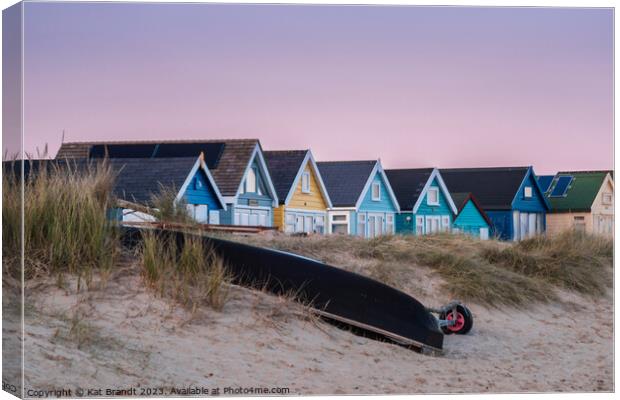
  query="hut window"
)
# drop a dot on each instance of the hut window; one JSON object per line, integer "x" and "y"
{"x": 340, "y": 223}
{"x": 433, "y": 197}
{"x": 527, "y": 192}
{"x": 607, "y": 198}
{"x": 305, "y": 182}
{"x": 376, "y": 191}
{"x": 250, "y": 181}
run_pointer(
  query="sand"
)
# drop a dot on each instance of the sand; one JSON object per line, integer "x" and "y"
{"x": 121, "y": 336}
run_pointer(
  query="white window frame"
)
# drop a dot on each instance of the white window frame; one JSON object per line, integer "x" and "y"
{"x": 608, "y": 199}
{"x": 376, "y": 185}
{"x": 527, "y": 192}
{"x": 305, "y": 182}
{"x": 428, "y": 197}
{"x": 343, "y": 222}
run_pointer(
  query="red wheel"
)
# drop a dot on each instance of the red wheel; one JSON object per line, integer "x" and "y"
{"x": 463, "y": 324}
{"x": 459, "y": 324}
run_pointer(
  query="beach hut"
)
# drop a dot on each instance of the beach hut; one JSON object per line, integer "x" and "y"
{"x": 426, "y": 204}
{"x": 237, "y": 166}
{"x": 303, "y": 198}
{"x": 510, "y": 196}
{"x": 363, "y": 202}
{"x": 139, "y": 180}
{"x": 581, "y": 200}
{"x": 470, "y": 218}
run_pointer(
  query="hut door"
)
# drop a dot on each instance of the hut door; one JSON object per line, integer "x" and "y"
{"x": 307, "y": 224}
{"x": 531, "y": 225}
{"x": 299, "y": 223}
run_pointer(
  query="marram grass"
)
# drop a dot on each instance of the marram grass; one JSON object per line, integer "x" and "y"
{"x": 65, "y": 224}
{"x": 192, "y": 275}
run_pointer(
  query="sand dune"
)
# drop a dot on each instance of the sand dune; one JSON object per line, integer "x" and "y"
{"x": 121, "y": 336}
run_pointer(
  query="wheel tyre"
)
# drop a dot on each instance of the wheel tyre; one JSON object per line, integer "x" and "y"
{"x": 467, "y": 321}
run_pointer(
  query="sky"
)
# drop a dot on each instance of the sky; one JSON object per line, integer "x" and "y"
{"x": 413, "y": 86}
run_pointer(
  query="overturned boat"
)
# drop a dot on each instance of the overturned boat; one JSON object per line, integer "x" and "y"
{"x": 339, "y": 295}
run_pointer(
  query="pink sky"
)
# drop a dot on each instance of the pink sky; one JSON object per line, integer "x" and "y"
{"x": 415, "y": 86}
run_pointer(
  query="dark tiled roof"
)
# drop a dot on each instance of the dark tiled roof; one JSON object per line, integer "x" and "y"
{"x": 283, "y": 168}
{"x": 345, "y": 180}
{"x": 460, "y": 200}
{"x": 231, "y": 164}
{"x": 407, "y": 185}
{"x": 495, "y": 188}
{"x": 32, "y": 166}
{"x": 136, "y": 179}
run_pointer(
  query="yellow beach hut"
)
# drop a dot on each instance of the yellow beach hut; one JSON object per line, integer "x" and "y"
{"x": 303, "y": 199}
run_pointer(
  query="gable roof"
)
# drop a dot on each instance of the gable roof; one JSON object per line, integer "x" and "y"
{"x": 495, "y": 188}
{"x": 544, "y": 181}
{"x": 408, "y": 184}
{"x": 461, "y": 199}
{"x": 581, "y": 193}
{"x": 283, "y": 168}
{"x": 414, "y": 183}
{"x": 228, "y": 170}
{"x": 288, "y": 166}
{"x": 345, "y": 180}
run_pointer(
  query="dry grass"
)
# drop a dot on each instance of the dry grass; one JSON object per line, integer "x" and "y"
{"x": 166, "y": 208}
{"x": 192, "y": 275}
{"x": 65, "y": 224}
{"x": 571, "y": 260}
{"x": 488, "y": 272}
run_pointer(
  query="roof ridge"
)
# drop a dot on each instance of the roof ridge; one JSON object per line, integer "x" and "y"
{"x": 96, "y": 142}
{"x": 286, "y": 151}
{"x": 485, "y": 168}
{"x": 411, "y": 169}
{"x": 585, "y": 172}
{"x": 347, "y": 161}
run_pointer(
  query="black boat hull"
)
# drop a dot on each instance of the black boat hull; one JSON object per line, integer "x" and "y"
{"x": 333, "y": 292}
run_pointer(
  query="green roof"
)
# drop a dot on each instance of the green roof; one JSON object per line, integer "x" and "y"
{"x": 581, "y": 192}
